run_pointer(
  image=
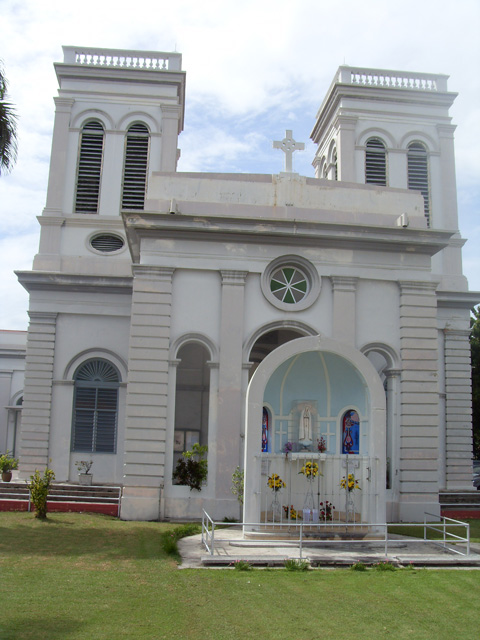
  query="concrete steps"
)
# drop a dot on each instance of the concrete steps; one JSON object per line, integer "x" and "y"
{"x": 460, "y": 504}
{"x": 14, "y": 496}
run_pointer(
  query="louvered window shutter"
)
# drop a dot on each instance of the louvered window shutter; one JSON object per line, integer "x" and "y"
{"x": 95, "y": 407}
{"x": 135, "y": 171}
{"x": 375, "y": 162}
{"x": 418, "y": 173}
{"x": 89, "y": 168}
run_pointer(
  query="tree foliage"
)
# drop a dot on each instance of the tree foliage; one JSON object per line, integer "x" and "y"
{"x": 475, "y": 350}
{"x": 8, "y": 129}
{"x": 192, "y": 468}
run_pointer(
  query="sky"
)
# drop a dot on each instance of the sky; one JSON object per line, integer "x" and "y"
{"x": 254, "y": 69}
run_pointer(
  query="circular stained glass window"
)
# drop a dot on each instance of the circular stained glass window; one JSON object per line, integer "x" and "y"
{"x": 289, "y": 284}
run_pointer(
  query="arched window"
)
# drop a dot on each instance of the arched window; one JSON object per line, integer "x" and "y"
{"x": 95, "y": 407}
{"x": 192, "y": 391}
{"x": 135, "y": 169}
{"x": 417, "y": 160}
{"x": 350, "y": 432}
{"x": 265, "y": 429}
{"x": 89, "y": 168}
{"x": 335, "y": 163}
{"x": 375, "y": 162}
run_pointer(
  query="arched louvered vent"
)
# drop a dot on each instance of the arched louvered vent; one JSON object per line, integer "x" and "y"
{"x": 135, "y": 171}
{"x": 97, "y": 371}
{"x": 375, "y": 162}
{"x": 89, "y": 168}
{"x": 107, "y": 243}
{"x": 418, "y": 173}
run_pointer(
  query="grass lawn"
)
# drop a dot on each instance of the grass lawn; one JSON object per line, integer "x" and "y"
{"x": 79, "y": 576}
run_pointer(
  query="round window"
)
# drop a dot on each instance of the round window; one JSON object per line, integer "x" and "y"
{"x": 107, "y": 243}
{"x": 289, "y": 284}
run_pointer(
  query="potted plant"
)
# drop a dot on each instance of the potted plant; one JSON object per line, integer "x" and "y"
{"x": 84, "y": 475}
{"x": 7, "y": 464}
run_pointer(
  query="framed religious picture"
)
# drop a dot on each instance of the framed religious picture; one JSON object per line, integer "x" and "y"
{"x": 179, "y": 441}
{"x": 192, "y": 437}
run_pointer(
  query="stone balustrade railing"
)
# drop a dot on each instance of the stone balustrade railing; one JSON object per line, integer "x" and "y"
{"x": 392, "y": 79}
{"x": 122, "y": 58}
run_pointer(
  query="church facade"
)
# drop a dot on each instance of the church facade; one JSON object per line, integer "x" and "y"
{"x": 286, "y": 322}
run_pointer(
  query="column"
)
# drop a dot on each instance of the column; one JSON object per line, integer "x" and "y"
{"x": 344, "y": 309}
{"x": 458, "y": 410}
{"x": 147, "y": 392}
{"x": 419, "y": 417}
{"x": 37, "y": 396}
{"x": 230, "y": 397}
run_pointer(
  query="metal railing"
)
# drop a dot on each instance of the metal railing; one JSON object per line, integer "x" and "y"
{"x": 300, "y": 534}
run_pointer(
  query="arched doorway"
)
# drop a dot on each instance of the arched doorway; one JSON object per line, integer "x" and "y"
{"x": 313, "y": 381}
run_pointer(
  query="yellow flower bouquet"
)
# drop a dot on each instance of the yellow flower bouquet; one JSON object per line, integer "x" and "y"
{"x": 275, "y": 482}
{"x": 309, "y": 470}
{"x": 349, "y": 483}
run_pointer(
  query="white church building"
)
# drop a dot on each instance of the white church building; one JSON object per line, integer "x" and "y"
{"x": 279, "y": 319}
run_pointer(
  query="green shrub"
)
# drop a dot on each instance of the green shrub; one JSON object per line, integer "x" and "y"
{"x": 169, "y": 539}
{"x": 237, "y": 488}
{"x": 291, "y": 564}
{"x": 192, "y": 467}
{"x": 242, "y": 565}
{"x": 39, "y": 486}
{"x": 384, "y": 566}
{"x": 358, "y": 566}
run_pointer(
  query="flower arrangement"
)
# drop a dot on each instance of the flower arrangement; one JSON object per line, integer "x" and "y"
{"x": 309, "y": 470}
{"x": 275, "y": 482}
{"x": 288, "y": 448}
{"x": 326, "y": 510}
{"x": 294, "y": 515}
{"x": 322, "y": 445}
{"x": 350, "y": 484}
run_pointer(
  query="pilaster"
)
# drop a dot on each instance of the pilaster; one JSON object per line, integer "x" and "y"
{"x": 58, "y": 162}
{"x": 37, "y": 397}
{"x": 418, "y": 463}
{"x": 230, "y": 403}
{"x": 147, "y": 392}
{"x": 170, "y": 125}
{"x": 458, "y": 410}
{"x": 346, "y": 147}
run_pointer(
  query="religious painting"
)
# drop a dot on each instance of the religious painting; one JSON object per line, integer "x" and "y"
{"x": 351, "y": 432}
{"x": 265, "y": 425}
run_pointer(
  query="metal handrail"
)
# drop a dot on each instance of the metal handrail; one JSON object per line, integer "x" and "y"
{"x": 209, "y": 525}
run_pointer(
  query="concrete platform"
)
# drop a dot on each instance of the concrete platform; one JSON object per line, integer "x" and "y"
{"x": 402, "y": 551}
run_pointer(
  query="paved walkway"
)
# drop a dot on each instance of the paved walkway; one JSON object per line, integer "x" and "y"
{"x": 231, "y": 546}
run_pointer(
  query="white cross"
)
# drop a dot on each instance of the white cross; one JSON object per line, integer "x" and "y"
{"x": 288, "y": 145}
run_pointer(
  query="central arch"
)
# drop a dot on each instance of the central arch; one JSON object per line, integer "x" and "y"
{"x": 355, "y": 367}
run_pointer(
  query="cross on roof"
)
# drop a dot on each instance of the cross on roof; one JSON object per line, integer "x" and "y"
{"x": 288, "y": 145}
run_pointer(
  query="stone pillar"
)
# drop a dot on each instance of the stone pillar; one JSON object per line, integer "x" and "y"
{"x": 170, "y": 117}
{"x": 147, "y": 392}
{"x": 58, "y": 162}
{"x": 37, "y": 396}
{"x": 230, "y": 398}
{"x": 419, "y": 400}
{"x": 458, "y": 410}
{"x": 344, "y": 309}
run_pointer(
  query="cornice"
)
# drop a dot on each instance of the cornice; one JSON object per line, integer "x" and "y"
{"x": 53, "y": 281}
